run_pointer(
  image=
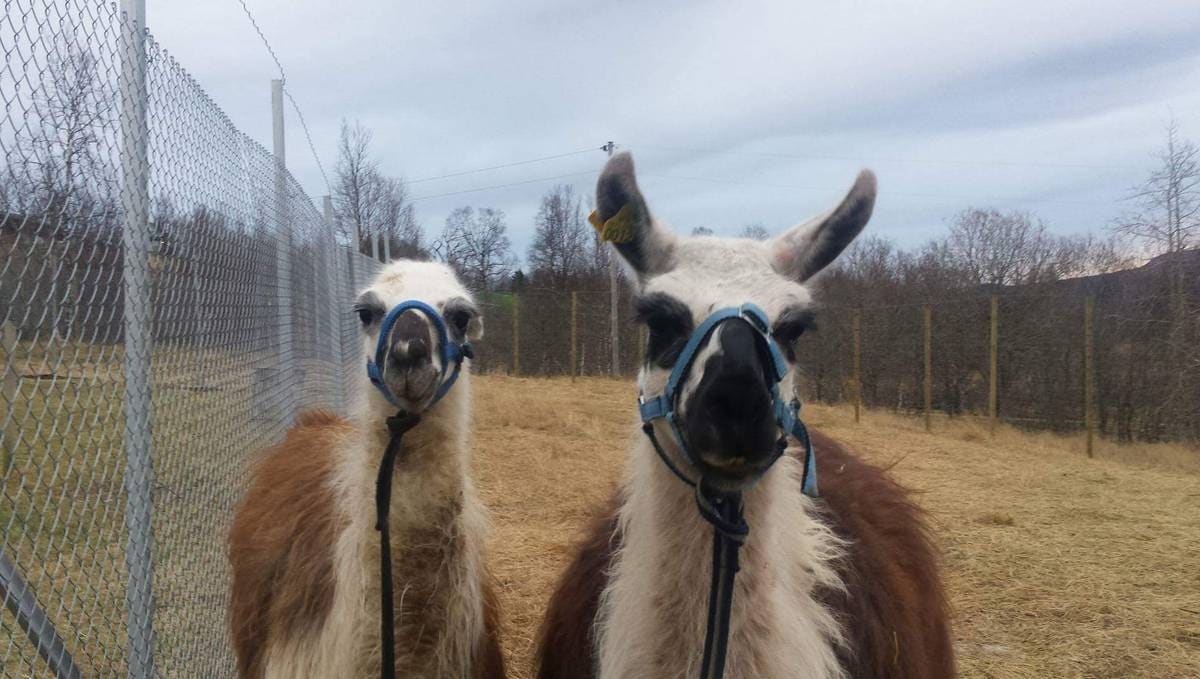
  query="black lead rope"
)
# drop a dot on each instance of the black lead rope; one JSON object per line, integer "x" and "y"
{"x": 729, "y": 532}
{"x": 724, "y": 512}
{"x": 397, "y": 425}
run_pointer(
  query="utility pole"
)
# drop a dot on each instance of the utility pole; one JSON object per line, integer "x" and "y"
{"x": 613, "y": 290}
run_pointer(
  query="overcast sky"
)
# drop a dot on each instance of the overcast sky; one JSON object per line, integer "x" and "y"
{"x": 736, "y": 112}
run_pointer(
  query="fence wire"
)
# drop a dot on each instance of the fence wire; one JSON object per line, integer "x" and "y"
{"x": 195, "y": 350}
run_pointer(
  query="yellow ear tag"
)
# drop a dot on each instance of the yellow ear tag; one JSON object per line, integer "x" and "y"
{"x": 618, "y": 229}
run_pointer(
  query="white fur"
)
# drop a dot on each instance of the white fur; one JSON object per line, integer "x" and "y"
{"x": 653, "y": 611}
{"x": 433, "y": 471}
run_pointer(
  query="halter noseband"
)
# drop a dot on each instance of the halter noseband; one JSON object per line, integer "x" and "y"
{"x": 450, "y": 353}
{"x": 787, "y": 414}
{"x": 724, "y": 509}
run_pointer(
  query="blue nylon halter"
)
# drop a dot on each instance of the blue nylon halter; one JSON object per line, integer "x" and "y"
{"x": 449, "y": 351}
{"x": 787, "y": 415}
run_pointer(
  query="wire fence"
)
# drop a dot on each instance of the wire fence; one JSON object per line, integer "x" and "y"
{"x": 169, "y": 298}
{"x": 1032, "y": 357}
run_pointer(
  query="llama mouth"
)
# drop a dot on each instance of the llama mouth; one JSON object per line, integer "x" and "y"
{"x": 731, "y": 473}
{"x": 412, "y": 388}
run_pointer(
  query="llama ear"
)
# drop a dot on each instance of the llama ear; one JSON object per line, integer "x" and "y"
{"x": 802, "y": 251}
{"x": 623, "y": 219}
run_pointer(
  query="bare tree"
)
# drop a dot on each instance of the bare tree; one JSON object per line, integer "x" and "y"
{"x": 702, "y": 231}
{"x": 356, "y": 189}
{"x": 61, "y": 167}
{"x": 372, "y": 207}
{"x": 476, "y": 244}
{"x": 559, "y": 251}
{"x": 754, "y": 231}
{"x": 1167, "y": 217}
{"x": 398, "y": 220}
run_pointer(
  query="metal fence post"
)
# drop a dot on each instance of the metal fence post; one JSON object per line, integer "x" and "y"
{"x": 335, "y": 300}
{"x": 135, "y": 238}
{"x": 283, "y": 262}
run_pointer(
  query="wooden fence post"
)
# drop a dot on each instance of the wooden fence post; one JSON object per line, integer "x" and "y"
{"x": 516, "y": 334}
{"x": 928, "y": 318}
{"x": 857, "y": 364}
{"x": 1089, "y": 372}
{"x": 993, "y": 365}
{"x": 574, "y": 334}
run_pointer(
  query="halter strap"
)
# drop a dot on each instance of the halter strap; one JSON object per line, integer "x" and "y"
{"x": 451, "y": 353}
{"x": 787, "y": 414}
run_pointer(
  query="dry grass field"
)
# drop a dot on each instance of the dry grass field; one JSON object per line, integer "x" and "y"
{"x": 1057, "y": 565}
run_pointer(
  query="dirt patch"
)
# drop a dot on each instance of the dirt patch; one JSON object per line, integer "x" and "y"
{"x": 1057, "y": 565}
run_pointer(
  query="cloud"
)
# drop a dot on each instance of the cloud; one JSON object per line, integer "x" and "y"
{"x": 1051, "y": 107}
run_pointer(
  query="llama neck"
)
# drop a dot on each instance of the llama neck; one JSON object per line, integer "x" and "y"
{"x": 431, "y": 471}
{"x": 655, "y": 607}
{"x": 437, "y": 532}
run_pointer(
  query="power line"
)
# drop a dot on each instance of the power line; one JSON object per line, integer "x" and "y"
{"x": 503, "y": 186}
{"x": 499, "y": 167}
{"x": 296, "y": 107}
{"x": 794, "y": 156}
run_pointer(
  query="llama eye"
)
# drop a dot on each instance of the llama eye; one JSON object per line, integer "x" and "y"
{"x": 458, "y": 320}
{"x": 367, "y": 315}
{"x": 668, "y": 322}
{"x": 791, "y": 326}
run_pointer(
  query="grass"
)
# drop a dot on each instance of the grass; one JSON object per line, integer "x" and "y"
{"x": 1057, "y": 565}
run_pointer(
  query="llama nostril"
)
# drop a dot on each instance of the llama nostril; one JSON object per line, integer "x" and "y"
{"x": 409, "y": 354}
{"x": 418, "y": 350}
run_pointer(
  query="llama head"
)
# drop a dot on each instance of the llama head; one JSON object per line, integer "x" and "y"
{"x": 412, "y": 365}
{"x": 724, "y": 403}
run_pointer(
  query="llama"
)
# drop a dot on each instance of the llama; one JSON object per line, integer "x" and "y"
{"x": 305, "y": 598}
{"x": 842, "y": 585}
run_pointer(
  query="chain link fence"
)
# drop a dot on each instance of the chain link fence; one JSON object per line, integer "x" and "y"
{"x": 169, "y": 298}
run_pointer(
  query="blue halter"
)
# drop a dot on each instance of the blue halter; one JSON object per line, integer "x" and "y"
{"x": 787, "y": 414}
{"x": 450, "y": 352}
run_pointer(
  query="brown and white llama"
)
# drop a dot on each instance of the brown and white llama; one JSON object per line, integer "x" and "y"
{"x": 303, "y": 546}
{"x": 842, "y": 585}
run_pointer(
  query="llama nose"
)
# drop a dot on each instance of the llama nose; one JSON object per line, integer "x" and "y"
{"x": 409, "y": 353}
{"x": 736, "y": 399}
{"x": 410, "y": 341}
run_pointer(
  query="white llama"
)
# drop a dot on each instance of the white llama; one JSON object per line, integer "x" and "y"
{"x": 304, "y": 549}
{"x": 842, "y": 585}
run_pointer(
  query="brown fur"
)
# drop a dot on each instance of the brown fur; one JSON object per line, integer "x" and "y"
{"x": 566, "y": 645}
{"x": 281, "y": 543}
{"x": 281, "y": 548}
{"x": 894, "y": 612}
